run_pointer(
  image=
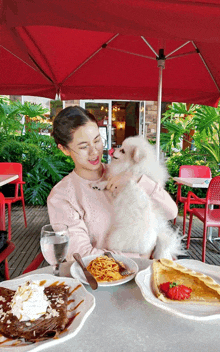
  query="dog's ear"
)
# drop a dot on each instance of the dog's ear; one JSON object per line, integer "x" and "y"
{"x": 135, "y": 154}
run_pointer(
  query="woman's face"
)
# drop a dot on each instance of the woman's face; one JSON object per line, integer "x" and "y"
{"x": 86, "y": 148}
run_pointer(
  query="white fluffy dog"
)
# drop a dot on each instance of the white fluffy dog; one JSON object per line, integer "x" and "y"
{"x": 138, "y": 224}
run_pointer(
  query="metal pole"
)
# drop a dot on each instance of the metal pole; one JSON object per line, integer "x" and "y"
{"x": 161, "y": 65}
{"x": 109, "y": 129}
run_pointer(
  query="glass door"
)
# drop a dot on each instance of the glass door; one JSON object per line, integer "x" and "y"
{"x": 102, "y": 110}
{"x": 142, "y": 124}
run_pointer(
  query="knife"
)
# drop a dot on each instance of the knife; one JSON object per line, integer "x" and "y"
{"x": 90, "y": 278}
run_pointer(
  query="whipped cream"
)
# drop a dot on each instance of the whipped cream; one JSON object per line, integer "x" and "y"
{"x": 29, "y": 301}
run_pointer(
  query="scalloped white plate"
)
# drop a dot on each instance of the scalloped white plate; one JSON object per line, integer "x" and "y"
{"x": 83, "y": 299}
{"x": 189, "y": 311}
{"x": 77, "y": 272}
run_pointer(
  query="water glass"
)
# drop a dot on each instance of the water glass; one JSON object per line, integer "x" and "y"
{"x": 54, "y": 242}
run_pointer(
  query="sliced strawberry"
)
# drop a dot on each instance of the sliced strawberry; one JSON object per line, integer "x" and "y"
{"x": 179, "y": 292}
{"x": 165, "y": 286}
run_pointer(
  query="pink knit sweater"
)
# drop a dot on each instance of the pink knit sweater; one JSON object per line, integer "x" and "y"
{"x": 88, "y": 212}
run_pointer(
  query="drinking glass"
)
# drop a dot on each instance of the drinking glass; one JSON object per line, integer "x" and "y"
{"x": 54, "y": 242}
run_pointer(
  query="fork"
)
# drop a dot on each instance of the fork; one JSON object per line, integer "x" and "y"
{"x": 123, "y": 271}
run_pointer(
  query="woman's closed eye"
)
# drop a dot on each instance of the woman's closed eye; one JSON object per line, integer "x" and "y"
{"x": 122, "y": 151}
{"x": 98, "y": 140}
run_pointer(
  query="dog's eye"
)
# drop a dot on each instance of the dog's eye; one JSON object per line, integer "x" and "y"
{"x": 122, "y": 151}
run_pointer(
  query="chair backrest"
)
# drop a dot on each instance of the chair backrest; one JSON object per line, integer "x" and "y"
{"x": 213, "y": 193}
{"x": 2, "y": 212}
{"x": 11, "y": 169}
{"x": 195, "y": 171}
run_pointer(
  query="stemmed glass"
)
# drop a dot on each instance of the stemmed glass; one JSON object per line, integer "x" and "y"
{"x": 54, "y": 242}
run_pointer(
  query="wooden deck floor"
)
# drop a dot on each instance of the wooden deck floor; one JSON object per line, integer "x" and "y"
{"x": 27, "y": 240}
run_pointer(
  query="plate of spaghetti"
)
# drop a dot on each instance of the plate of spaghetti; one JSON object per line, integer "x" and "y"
{"x": 105, "y": 270}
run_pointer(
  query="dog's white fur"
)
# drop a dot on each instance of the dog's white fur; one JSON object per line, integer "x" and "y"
{"x": 138, "y": 224}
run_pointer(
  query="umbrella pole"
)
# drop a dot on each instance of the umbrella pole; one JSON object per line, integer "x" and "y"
{"x": 161, "y": 65}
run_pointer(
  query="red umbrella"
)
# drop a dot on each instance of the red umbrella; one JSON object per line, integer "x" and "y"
{"x": 75, "y": 60}
{"x": 196, "y": 20}
{"x": 74, "y": 49}
{"x": 86, "y": 64}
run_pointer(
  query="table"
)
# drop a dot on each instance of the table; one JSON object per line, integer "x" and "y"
{"x": 124, "y": 321}
{"x": 4, "y": 179}
{"x": 194, "y": 182}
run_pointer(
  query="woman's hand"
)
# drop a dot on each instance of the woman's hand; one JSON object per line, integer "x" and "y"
{"x": 117, "y": 183}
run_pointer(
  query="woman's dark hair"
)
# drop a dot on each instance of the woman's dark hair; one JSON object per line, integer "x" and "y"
{"x": 67, "y": 121}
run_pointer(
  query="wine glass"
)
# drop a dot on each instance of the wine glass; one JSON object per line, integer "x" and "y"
{"x": 54, "y": 242}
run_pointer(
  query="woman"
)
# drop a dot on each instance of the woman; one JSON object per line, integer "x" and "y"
{"x": 73, "y": 202}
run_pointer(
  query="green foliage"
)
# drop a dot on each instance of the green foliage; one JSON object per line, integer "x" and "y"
{"x": 179, "y": 109}
{"x": 40, "y": 179}
{"x": 10, "y": 119}
{"x": 43, "y": 163}
{"x": 207, "y": 136}
{"x": 30, "y": 109}
{"x": 203, "y": 120}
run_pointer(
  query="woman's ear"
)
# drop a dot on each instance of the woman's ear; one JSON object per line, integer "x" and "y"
{"x": 63, "y": 149}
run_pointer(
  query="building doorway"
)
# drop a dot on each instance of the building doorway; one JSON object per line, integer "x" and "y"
{"x": 117, "y": 120}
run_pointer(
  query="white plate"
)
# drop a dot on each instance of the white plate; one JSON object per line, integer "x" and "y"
{"x": 189, "y": 311}
{"x": 77, "y": 272}
{"x": 79, "y": 295}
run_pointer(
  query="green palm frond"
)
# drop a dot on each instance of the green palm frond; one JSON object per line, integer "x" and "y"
{"x": 213, "y": 150}
{"x": 52, "y": 167}
{"x": 207, "y": 118}
{"x": 38, "y": 193}
{"x": 179, "y": 110}
{"x": 31, "y": 110}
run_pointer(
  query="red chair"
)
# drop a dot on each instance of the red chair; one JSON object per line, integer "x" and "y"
{"x": 2, "y": 212}
{"x": 190, "y": 171}
{"x": 34, "y": 264}
{"x": 209, "y": 217}
{"x": 14, "y": 169}
{"x": 10, "y": 247}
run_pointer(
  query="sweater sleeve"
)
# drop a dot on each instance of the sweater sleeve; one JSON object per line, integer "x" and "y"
{"x": 159, "y": 196}
{"x": 60, "y": 210}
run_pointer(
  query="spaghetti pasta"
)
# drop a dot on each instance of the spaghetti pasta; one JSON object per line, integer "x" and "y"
{"x": 105, "y": 269}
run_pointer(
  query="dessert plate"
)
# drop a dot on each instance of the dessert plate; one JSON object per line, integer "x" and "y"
{"x": 77, "y": 272}
{"x": 84, "y": 303}
{"x": 189, "y": 311}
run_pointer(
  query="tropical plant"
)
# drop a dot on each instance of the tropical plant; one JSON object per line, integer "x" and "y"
{"x": 30, "y": 109}
{"x": 204, "y": 121}
{"x": 43, "y": 163}
{"x": 10, "y": 119}
{"x": 40, "y": 179}
{"x": 207, "y": 136}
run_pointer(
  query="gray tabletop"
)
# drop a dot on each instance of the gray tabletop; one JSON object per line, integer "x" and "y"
{"x": 123, "y": 320}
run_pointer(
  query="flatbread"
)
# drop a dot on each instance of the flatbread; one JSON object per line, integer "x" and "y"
{"x": 204, "y": 289}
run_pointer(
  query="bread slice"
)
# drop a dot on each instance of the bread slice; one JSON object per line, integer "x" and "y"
{"x": 204, "y": 289}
